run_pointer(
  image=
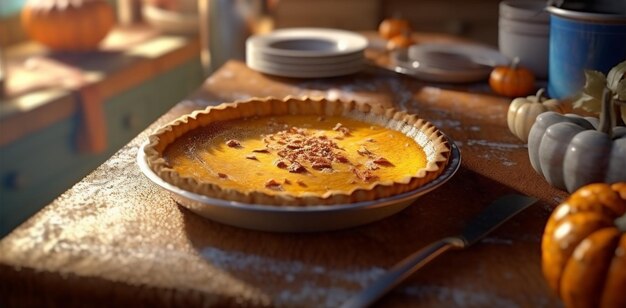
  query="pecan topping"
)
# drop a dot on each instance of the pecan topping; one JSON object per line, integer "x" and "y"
{"x": 301, "y": 183}
{"x": 321, "y": 163}
{"x": 222, "y": 175}
{"x": 273, "y": 185}
{"x": 295, "y": 167}
{"x": 371, "y": 165}
{"x": 340, "y": 158}
{"x": 364, "y": 151}
{"x": 251, "y": 156}
{"x": 342, "y": 129}
{"x": 299, "y": 145}
{"x": 264, "y": 150}
{"x": 382, "y": 161}
{"x": 294, "y": 145}
{"x": 280, "y": 163}
{"x": 364, "y": 175}
{"x": 233, "y": 143}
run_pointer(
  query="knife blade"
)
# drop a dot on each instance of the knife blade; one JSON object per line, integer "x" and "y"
{"x": 496, "y": 214}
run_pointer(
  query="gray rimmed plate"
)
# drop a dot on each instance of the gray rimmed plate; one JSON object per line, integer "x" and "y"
{"x": 313, "y": 218}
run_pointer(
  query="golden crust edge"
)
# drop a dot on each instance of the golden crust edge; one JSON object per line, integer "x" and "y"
{"x": 162, "y": 137}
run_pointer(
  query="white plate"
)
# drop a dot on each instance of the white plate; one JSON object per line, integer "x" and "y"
{"x": 308, "y": 42}
{"x": 253, "y": 53}
{"x": 403, "y": 64}
{"x": 356, "y": 63}
{"x": 298, "y": 218}
{"x": 297, "y": 72}
{"x": 476, "y": 53}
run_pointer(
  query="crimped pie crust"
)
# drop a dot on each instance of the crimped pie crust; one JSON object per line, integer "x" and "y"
{"x": 432, "y": 141}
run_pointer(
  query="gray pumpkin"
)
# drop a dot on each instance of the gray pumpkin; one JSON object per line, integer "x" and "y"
{"x": 571, "y": 151}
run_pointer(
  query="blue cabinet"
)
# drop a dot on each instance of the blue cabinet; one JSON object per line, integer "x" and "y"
{"x": 39, "y": 167}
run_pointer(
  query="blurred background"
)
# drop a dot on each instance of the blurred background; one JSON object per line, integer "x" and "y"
{"x": 473, "y": 19}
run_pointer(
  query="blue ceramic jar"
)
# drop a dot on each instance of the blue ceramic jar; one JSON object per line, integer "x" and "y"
{"x": 581, "y": 41}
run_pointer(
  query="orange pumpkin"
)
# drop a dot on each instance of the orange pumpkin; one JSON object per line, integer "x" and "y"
{"x": 77, "y": 25}
{"x": 512, "y": 80}
{"x": 392, "y": 27}
{"x": 584, "y": 247}
{"x": 400, "y": 41}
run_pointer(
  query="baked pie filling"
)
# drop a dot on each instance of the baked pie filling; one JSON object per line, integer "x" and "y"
{"x": 298, "y": 152}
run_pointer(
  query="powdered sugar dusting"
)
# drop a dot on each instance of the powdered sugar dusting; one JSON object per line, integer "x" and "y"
{"x": 495, "y": 145}
{"x": 327, "y": 295}
{"x": 496, "y": 150}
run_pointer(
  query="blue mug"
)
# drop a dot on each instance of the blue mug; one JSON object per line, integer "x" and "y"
{"x": 582, "y": 41}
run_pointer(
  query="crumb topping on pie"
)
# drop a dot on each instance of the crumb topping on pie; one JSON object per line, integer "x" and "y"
{"x": 305, "y": 157}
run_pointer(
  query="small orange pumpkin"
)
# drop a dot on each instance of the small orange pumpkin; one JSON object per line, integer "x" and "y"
{"x": 77, "y": 25}
{"x": 584, "y": 247}
{"x": 400, "y": 41}
{"x": 391, "y": 27}
{"x": 512, "y": 80}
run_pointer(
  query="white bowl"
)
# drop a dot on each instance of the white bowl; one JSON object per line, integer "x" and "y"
{"x": 532, "y": 50}
{"x": 524, "y": 27}
{"x": 524, "y": 33}
{"x": 530, "y": 11}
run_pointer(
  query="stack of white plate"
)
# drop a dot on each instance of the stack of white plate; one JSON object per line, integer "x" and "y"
{"x": 306, "y": 52}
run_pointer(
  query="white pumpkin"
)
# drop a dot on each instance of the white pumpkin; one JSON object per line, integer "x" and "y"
{"x": 571, "y": 151}
{"x": 524, "y": 110}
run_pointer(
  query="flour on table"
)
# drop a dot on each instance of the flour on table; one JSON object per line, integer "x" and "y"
{"x": 330, "y": 295}
{"x": 459, "y": 298}
{"x": 495, "y": 145}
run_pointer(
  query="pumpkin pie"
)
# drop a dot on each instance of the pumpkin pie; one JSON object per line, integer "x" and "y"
{"x": 298, "y": 152}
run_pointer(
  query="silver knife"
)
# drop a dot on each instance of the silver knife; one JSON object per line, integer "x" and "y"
{"x": 498, "y": 212}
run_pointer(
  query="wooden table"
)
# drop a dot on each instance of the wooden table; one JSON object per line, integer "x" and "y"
{"x": 116, "y": 238}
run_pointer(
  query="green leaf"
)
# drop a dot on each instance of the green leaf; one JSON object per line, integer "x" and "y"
{"x": 615, "y": 76}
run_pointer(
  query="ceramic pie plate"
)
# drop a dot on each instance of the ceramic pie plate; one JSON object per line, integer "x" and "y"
{"x": 311, "y": 218}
